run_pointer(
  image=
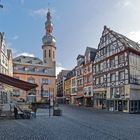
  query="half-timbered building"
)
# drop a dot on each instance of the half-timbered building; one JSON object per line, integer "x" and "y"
{"x": 88, "y": 76}
{"x": 79, "y": 79}
{"x": 116, "y": 73}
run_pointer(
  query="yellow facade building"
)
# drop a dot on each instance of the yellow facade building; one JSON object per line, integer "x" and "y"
{"x": 67, "y": 88}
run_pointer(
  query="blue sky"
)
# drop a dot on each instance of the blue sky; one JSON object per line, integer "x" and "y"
{"x": 77, "y": 24}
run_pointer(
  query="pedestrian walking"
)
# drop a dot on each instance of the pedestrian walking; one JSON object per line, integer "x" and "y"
{"x": 34, "y": 109}
{"x": 15, "y": 112}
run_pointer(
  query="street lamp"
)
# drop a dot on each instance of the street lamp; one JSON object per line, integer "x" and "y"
{"x": 42, "y": 90}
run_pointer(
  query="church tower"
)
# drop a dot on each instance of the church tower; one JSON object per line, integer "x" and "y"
{"x": 49, "y": 49}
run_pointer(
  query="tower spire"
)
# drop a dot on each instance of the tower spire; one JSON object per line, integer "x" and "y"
{"x": 48, "y": 6}
{"x": 48, "y": 37}
{"x": 49, "y": 43}
{"x": 48, "y": 23}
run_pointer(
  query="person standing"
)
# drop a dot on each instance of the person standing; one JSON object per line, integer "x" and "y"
{"x": 34, "y": 109}
{"x": 15, "y": 112}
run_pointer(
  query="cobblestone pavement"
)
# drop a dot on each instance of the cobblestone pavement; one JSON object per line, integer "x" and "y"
{"x": 76, "y": 123}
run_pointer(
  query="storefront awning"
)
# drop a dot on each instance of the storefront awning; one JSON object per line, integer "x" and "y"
{"x": 16, "y": 82}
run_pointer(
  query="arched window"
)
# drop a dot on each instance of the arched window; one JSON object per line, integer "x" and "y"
{"x": 44, "y": 53}
{"x": 49, "y": 53}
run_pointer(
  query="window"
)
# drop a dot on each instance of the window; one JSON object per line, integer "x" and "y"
{"x": 85, "y": 70}
{"x": 44, "y": 81}
{"x": 81, "y": 82}
{"x": 44, "y": 53}
{"x": 112, "y": 62}
{"x": 73, "y": 82}
{"x": 89, "y": 90}
{"x": 101, "y": 79}
{"x": 81, "y": 72}
{"x": 97, "y": 67}
{"x": 121, "y": 58}
{"x": 31, "y": 80}
{"x": 31, "y": 69}
{"x": 90, "y": 78}
{"x": 85, "y": 90}
{"x": 125, "y": 105}
{"x": 16, "y": 93}
{"x": 97, "y": 81}
{"x": 121, "y": 75}
{"x": 121, "y": 91}
{"x": 49, "y": 53}
{"x": 112, "y": 92}
{"x": 112, "y": 77}
{"x": 26, "y": 68}
{"x": 45, "y": 93}
{"x": 88, "y": 57}
{"x": 45, "y": 70}
{"x": 101, "y": 66}
{"x": 85, "y": 79}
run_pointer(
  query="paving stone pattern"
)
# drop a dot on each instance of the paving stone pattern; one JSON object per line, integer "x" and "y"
{"x": 76, "y": 123}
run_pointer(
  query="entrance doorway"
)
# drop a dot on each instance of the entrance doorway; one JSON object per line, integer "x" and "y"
{"x": 120, "y": 105}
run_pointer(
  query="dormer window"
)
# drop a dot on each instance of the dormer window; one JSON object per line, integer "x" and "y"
{"x": 26, "y": 68}
{"x": 45, "y": 70}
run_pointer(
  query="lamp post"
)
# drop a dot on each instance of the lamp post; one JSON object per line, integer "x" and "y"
{"x": 49, "y": 103}
{"x": 42, "y": 90}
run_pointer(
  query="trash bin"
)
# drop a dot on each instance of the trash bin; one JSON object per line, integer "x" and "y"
{"x": 57, "y": 112}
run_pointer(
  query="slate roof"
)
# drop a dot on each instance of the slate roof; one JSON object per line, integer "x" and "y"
{"x": 28, "y": 59}
{"x": 124, "y": 40}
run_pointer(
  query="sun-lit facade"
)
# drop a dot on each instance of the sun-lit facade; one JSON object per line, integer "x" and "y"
{"x": 116, "y": 73}
{"x": 35, "y": 70}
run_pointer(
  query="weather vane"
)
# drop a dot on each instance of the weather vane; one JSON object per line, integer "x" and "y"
{"x": 48, "y": 6}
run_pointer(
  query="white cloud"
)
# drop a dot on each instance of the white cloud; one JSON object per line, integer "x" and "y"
{"x": 135, "y": 35}
{"x": 124, "y": 3}
{"x": 15, "y": 37}
{"x": 58, "y": 69}
{"x": 26, "y": 54}
{"x": 39, "y": 12}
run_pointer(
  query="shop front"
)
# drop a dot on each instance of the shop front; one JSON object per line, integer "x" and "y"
{"x": 118, "y": 105}
{"x": 88, "y": 101}
{"x": 99, "y": 98}
{"x": 72, "y": 99}
{"x": 79, "y": 100}
{"x": 88, "y": 96}
{"x": 134, "y": 106}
